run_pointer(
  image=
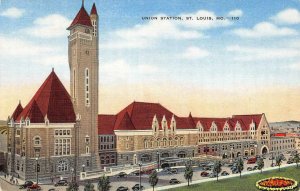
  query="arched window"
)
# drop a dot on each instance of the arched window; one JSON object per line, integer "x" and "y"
{"x": 170, "y": 141}
{"x": 112, "y": 159}
{"x": 146, "y": 158}
{"x": 62, "y": 166}
{"x": 158, "y": 142}
{"x": 37, "y": 141}
{"x": 164, "y": 142}
{"x": 87, "y": 87}
{"x": 87, "y": 150}
{"x": 176, "y": 141}
{"x": 145, "y": 143}
{"x": 181, "y": 140}
{"x": 107, "y": 160}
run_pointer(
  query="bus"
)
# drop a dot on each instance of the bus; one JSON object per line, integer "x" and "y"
{"x": 251, "y": 160}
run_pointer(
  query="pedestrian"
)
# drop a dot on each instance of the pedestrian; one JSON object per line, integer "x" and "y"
{"x": 17, "y": 182}
{"x": 5, "y": 176}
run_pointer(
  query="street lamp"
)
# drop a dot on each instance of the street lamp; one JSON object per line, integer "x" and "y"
{"x": 37, "y": 169}
{"x": 72, "y": 177}
{"x": 158, "y": 160}
{"x": 140, "y": 165}
{"x": 83, "y": 168}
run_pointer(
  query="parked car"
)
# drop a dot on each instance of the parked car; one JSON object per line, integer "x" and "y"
{"x": 245, "y": 158}
{"x": 251, "y": 160}
{"x": 174, "y": 170}
{"x": 174, "y": 181}
{"x": 255, "y": 167}
{"x": 122, "y": 188}
{"x": 136, "y": 172}
{"x": 121, "y": 175}
{"x": 34, "y": 187}
{"x": 137, "y": 187}
{"x": 235, "y": 171}
{"x": 212, "y": 175}
{"x": 224, "y": 173}
{"x": 249, "y": 169}
{"x": 271, "y": 158}
{"x": 204, "y": 174}
{"x": 289, "y": 162}
{"x": 61, "y": 183}
{"x": 26, "y": 184}
{"x": 233, "y": 168}
{"x": 52, "y": 189}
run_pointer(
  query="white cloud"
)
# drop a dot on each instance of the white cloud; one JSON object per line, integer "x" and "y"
{"x": 152, "y": 32}
{"x": 31, "y": 52}
{"x": 51, "y": 26}
{"x": 244, "y": 53}
{"x": 264, "y": 29}
{"x": 235, "y": 13}
{"x": 203, "y": 24}
{"x": 121, "y": 69}
{"x": 195, "y": 53}
{"x": 287, "y": 16}
{"x": 13, "y": 12}
{"x": 294, "y": 66}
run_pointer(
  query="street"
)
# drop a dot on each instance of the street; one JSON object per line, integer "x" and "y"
{"x": 131, "y": 180}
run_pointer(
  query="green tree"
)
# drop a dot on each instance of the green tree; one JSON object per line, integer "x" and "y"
{"x": 104, "y": 183}
{"x": 73, "y": 186}
{"x": 240, "y": 165}
{"x": 296, "y": 158}
{"x": 89, "y": 186}
{"x": 278, "y": 161}
{"x": 260, "y": 163}
{"x": 217, "y": 168}
{"x": 188, "y": 173}
{"x": 153, "y": 179}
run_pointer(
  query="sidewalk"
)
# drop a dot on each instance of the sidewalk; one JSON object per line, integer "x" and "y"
{"x": 14, "y": 181}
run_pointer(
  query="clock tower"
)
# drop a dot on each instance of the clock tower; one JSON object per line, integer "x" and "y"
{"x": 84, "y": 65}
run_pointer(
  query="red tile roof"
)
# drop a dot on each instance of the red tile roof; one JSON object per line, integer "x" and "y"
{"x": 106, "y": 124}
{"x": 94, "y": 10}
{"x": 247, "y": 119}
{"x": 17, "y": 111}
{"x": 82, "y": 18}
{"x": 139, "y": 116}
{"x": 51, "y": 99}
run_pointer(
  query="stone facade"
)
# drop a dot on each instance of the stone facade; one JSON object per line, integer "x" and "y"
{"x": 282, "y": 144}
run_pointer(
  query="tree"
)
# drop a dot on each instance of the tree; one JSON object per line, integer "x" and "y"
{"x": 240, "y": 165}
{"x": 104, "y": 183}
{"x": 260, "y": 163}
{"x": 296, "y": 158}
{"x": 153, "y": 179}
{"x": 217, "y": 168}
{"x": 278, "y": 161}
{"x": 188, "y": 173}
{"x": 73, "y": 186}
{"x": 89, "y": 187}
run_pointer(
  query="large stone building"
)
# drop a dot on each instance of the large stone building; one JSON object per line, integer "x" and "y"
{"x": 56, "y": 133}
{"x": 146, "y": 131}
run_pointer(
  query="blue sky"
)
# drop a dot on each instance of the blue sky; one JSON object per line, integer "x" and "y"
{"x": 259, "y": 50}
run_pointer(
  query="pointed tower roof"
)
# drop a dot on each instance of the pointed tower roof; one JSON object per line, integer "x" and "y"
{"x": 53, "y": 100}
{"x": 82, "y": 18}
{"x": 94, "y": 10}
{"x": 33, "y": 113}
{"x": 17, "y": 111}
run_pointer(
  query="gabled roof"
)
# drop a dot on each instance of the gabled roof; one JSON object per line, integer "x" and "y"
{"x": 53, "y": 100}
{"x": 94, "y": 10}
{"x": 247, "y": 119}
{"x": 82, "y": 18}
{"x": 17, "y": 111}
